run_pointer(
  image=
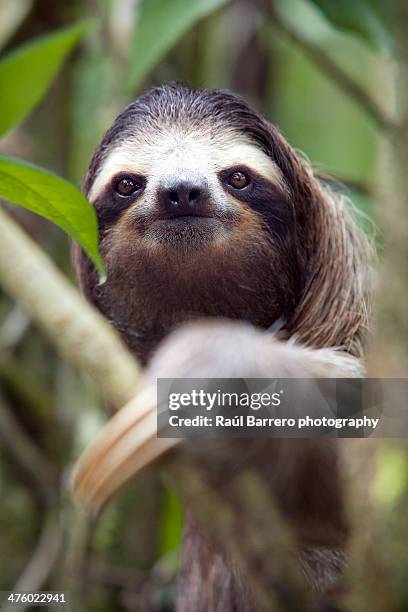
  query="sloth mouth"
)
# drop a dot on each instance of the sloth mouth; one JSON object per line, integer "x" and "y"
{"x": 190, "y": 230}
{"x": 184, "y": 213}
{"x": 187, "y": 227}
{"x": 185, "y": 219}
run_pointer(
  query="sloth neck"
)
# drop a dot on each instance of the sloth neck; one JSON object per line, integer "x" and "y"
{"x": 146, "y": 316}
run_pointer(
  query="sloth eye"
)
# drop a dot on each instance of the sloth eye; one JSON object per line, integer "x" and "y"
{"x": 126, "y": 186}
{"x": 238, "y": 180}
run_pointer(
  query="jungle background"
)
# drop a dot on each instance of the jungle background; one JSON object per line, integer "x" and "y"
{"x": 324, "y": 72}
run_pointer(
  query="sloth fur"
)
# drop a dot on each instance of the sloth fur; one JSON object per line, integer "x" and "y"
{"x": 206, "y": 212}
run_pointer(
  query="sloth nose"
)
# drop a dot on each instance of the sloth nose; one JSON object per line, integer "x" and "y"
{"x": 180, "y": 196}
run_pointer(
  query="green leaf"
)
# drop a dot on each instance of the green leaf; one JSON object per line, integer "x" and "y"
{"x": 369, "y": 19}
{"x": 160, "y": 25}
{"x": 171, "y": 524}
{"x": 27, "y": 72}
{"x": 53, "y": 198}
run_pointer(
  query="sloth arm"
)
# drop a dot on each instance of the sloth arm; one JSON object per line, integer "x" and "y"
{"x": 207, "y": 349}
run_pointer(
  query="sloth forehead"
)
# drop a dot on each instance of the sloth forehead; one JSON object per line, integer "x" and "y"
{"x": 170, "y": 148}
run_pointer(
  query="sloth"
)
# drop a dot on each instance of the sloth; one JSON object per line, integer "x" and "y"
{"x": 226, "y": 257}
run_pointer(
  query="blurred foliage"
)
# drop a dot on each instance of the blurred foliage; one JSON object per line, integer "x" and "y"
{"x": 368, "y": 18}
{"x": 26, "y": 73}
{"x": 205, "y": 43}
{"x": 159, "y": 27}
{"x": 310, "y": 100}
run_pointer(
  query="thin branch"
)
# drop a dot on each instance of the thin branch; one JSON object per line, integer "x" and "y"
{"x": 43, "y": 560}
{"x": 79, "y": 530}
{"x": 78, "y": 331}
{"x": 336, "y": 73}
{"x": 28, "y": 456}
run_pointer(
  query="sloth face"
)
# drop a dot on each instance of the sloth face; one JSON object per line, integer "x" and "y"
{"x": 176, "y": 187}
{"x": 195, "y": 213}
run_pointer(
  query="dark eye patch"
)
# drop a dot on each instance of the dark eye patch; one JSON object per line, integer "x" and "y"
{"x": 265, "y": 197}
{"x": 110, "y": 204}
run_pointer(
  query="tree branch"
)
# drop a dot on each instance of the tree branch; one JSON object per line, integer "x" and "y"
{"x": 79, "y": 332}
{"x": 79, "y": 528}
{"x": 85, "y": 339}
{"x": 26, "y": 454}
